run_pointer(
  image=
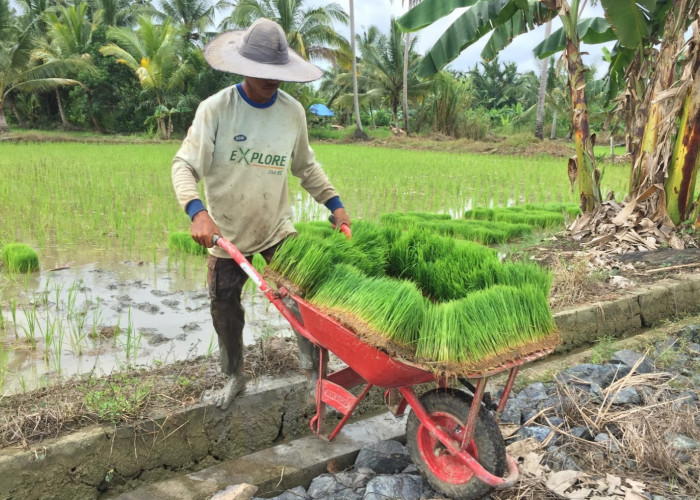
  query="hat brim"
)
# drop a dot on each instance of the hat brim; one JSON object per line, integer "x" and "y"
{"x": 222, "y": 53}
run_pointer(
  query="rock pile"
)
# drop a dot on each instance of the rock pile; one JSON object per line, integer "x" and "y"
{"x": 589, "y": 406}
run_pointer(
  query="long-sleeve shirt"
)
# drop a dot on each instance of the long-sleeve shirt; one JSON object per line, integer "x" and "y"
{"x": 243, "y": 153}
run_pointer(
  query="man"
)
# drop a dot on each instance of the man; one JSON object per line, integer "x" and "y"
{"x": 242, "y": 143}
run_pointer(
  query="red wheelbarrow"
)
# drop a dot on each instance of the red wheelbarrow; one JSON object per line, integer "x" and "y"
{"x": 452, "y": 435}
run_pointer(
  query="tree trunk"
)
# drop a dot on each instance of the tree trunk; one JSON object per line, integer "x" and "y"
{"x": 649, "y": 165}
{"x": 4, "y": 128}
{"x": 589, "y": 192}
{"x": 18, "y": 116}
{"x": 64, "y": 120}
{"x": 539, "y": 123}
{"x": 553, "y": 132}
{"x": 406, "y": 53}
{"x": 359, "y": 133}
{"x": 371, "y": 115}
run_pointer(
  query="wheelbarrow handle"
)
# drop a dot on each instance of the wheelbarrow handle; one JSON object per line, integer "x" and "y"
{"x": 343, "y": 227}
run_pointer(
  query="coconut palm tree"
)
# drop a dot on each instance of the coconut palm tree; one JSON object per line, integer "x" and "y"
{"x": 310, "y": 31}
{"x": 69, "y": 36}
{"x": 152, "y": 53}
{"x": 193, "y": 17}
{"x": 382, "y": 70}
{"x": 19, "y": 72}
{"x": 359, "y": 133}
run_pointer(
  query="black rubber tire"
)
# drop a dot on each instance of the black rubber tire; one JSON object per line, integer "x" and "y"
{"x": 487, "y": 438}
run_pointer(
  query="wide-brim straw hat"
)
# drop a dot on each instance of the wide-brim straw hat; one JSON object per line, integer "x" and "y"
{"x": 261, "y": 51}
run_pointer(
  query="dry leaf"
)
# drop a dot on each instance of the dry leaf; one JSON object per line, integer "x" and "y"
{"x": 561, "y": 481}
{"x": 520, "y": 449}
{"x": 581, "y": 494}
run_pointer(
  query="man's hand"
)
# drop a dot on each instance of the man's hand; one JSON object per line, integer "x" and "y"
{"x": 341, "y": 217}
{"x": 203, "y": 228}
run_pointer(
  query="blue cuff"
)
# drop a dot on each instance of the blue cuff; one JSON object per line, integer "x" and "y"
{"x": 334, "y": 204}
{"x": 194, "y": 207}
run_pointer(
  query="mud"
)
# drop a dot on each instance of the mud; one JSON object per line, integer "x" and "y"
{"x": 95, "y": 318}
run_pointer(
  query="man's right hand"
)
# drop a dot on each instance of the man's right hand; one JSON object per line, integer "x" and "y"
{"x": 203, "y": 228}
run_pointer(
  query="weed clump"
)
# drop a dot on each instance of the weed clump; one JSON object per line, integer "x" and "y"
{"x": 19, "y": 258}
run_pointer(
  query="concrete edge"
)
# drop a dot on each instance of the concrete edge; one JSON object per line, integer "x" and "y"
{"x": 269, "y": 469}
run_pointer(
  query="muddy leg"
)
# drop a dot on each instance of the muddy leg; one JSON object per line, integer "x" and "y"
{"x": 226, "y": 279}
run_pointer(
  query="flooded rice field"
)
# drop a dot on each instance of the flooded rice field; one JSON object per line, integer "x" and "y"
{"x": 94, "y": 318}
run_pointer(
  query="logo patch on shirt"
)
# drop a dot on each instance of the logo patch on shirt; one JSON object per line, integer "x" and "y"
{"x": 240, "y": 138}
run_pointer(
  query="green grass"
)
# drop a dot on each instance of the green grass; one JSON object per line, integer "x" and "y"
{"x": 19, "y": 258}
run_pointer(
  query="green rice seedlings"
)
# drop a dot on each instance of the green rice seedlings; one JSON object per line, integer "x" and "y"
{"x": 391, "y": 307}
{"x": 19, "y": 258}
{"x": 484, "y": 325}
{"x": 571, "y": 209}
{"x": 316, "y": 228}
{"x": 304, "y": 260}
{"x": 183, "y": 242}
{"x": 259, "y": 264}
{"x": 525, "y": 273}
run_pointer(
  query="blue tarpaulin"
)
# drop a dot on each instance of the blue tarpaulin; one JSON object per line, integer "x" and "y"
{"x": 321, "y": 110}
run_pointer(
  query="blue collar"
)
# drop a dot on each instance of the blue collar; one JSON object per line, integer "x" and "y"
{"x": 260, "y": 105}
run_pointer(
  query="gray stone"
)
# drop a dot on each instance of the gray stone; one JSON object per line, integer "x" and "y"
{"x": 629, "y": 358}
{"x": 693, "y": 348}
{"x": 511, "y": 413}
{"x": 587, "y": 372}
{"x": 686, "y": 400}
{"x": 384, "y": 457}
{"x": 539, "y": 432}
{"x": 604, "y": 437}
{"x": 411, "y": 469}
{"x": 690, "y": 332}
{"x": 680, "y": 442}
{"x": 596, "y": 393}
{"x": 298, "y": 493}
{"x": 327, "y": 487}
{"x": 403, "y": 486}
{"x": 559, "y": 460}
{"x": 670, "y": 344}
{"x": 627, "y": 396}
{"x": 582, "y": 433}
{"x": 533, "y": 393}
{"x": 353, "y": 480}
{"x": 556, "y": 421}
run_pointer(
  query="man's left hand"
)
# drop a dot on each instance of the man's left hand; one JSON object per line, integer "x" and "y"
{"x": 341, "y": 217}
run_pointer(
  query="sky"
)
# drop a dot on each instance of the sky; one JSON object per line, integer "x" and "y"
{"x": 379, "y": 13}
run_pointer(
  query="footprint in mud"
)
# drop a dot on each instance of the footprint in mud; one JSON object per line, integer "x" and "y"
{"x": 171, "y": 303}
{"x": 148, "y": 308}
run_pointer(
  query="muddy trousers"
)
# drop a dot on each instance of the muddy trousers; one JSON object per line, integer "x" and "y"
{"x": 225, "y": 280}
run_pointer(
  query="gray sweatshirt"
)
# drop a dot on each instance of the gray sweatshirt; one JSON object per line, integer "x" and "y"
{"x": 243, "y": 153}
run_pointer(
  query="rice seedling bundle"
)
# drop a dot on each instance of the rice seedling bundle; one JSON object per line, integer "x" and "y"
{"x": 183, "y": 242}
{"x": 450, "y": 300}
{"x": 393, "y": 308}
{"x": 473, "y": 230}
{"x": 19, "y": 258}
{"x": 485, "y": 327}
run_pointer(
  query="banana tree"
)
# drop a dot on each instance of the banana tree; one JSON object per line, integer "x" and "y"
{"x": 662, "y": 110}
{"x": 503, "y": 20}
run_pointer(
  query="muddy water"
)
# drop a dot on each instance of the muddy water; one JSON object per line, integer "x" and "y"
{"x": 96, "y": 317}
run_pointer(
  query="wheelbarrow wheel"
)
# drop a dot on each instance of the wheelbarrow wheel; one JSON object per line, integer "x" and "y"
{"x": 446, "y": 473}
